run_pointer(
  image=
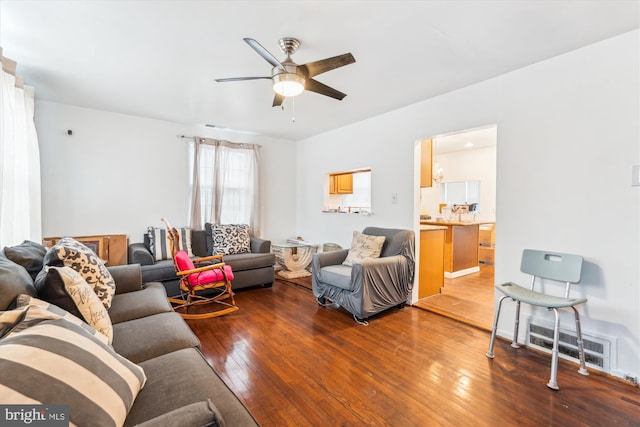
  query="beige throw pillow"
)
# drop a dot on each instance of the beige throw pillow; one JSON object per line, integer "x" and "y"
{"x": 363, "y": 247}
{"x": 87, "y": 301}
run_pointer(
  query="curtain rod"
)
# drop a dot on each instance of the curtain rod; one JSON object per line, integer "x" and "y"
{"x": 230, "y": 142}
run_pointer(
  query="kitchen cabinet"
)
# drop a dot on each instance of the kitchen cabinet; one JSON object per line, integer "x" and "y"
{"x": 431, "y": 262}
{"x": 426, "y": 163}
{"x": 487, "y": 242}
{"x": 341, "y": 183}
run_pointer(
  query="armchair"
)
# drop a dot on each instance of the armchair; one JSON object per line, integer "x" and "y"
{"x": 373, "y": 285}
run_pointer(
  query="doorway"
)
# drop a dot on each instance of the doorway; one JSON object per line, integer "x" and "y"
{"x": 464, "y": 160}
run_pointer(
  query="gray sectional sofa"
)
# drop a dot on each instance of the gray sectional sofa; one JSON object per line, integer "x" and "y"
{"x": 249, "y": 269}
{"x": 181, "y": 388}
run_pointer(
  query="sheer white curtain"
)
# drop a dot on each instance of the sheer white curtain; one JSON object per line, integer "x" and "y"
{"x": 224, "y": 183}
{"x": 20, "y": 197}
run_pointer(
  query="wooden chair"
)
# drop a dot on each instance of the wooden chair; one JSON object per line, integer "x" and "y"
{"x": 203, "y": 287}
{"x": 554, "y": 266}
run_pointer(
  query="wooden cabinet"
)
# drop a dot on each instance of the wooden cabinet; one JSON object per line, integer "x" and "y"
{"x": 111, "y": 248}
{"x": 431, "y": 263}
{"x": 461, "y": 250}
{"x": 426, "y": 163}
{"x": 487, "y": 242}
{"x": 341, "y": 183}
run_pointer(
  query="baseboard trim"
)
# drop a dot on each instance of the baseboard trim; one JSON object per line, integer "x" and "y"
{"x": 459, "y": 273}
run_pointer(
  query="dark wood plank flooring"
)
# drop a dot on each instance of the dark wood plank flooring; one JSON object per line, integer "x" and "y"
{"x": 467, "y": 298}
{"x": 294, "y": 363}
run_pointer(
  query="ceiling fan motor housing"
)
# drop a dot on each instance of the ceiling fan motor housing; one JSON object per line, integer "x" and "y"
{"x": 289, "y": 45}
{"x": 289, "y": 81}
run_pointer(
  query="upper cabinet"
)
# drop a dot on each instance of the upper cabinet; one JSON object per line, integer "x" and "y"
{"x": 426, "y": 163}
{"x": 348, "y": 191}
{"x": 341, "y": 183}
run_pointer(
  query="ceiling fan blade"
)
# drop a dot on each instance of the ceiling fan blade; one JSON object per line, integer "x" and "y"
{"x": 263, "y": 52}
{"x": 323, "y": 89}
{"x": 238, "y": 79}
{"x": 322, "y": 66}
{"x": 277, "y": 100}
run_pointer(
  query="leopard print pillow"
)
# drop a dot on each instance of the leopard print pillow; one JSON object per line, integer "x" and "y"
{"x": 68, "y": 252}
{"x": 230, "y": 239}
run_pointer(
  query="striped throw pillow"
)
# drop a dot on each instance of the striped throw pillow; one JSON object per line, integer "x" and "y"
{"x": 80, "y": 371}
{"x": 32, "y": 311}
{"x": 160, "y": 245}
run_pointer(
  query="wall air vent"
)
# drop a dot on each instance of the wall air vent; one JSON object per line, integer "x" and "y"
{"x": 597, "y": 349}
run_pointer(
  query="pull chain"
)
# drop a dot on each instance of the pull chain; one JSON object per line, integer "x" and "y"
{"x": 293, "y": 109}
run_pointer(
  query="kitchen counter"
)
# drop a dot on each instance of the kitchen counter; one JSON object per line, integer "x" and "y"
{"x": 447, "y": 223}
{"x": 428, "y": 227}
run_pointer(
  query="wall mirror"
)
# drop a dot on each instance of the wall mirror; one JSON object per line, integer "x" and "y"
{"x": 348, "y": 192}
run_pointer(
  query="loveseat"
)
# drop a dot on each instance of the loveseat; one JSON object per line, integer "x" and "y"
{"x": 151, "y": 344}
{"x": 254, "y": 268}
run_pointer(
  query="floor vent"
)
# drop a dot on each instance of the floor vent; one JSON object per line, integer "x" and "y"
{"x": 597, "y": 351}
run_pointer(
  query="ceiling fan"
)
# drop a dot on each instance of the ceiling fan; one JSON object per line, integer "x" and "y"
{"x": 290, "y": 79}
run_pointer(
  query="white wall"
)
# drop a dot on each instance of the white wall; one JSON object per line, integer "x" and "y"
{"x": 469, "y": 165}
{"x": 118, "y": 174}
{"x": 568, "y": 134}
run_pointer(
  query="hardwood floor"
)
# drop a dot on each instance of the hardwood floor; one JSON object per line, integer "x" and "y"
{"x": 293, "y": 362}
{"x": 467, "y": 298}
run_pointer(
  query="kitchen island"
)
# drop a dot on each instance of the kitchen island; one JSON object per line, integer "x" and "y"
{"x": 460, "y": 247}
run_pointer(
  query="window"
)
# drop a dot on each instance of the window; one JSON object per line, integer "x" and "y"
{"x": 460, "y": 193}
{"x": 227, "y": 190}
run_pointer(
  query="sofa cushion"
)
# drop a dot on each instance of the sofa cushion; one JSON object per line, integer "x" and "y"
{"x": 87, "y": 302}
{"x": 196, "y": 414}
{"x": 71, "y": 253}
{"x": 14, "y": 280}
{"x": 27, "y": 254}
{"x": 134, "y": 305}
{"x": 241, "y": 262}
{"x": 363, "y": 246}
{"x": 338, "y": 275}
{"x": 98, "y": 384}
{"x": 159, "y": 272}
{"x": 170, "y": 389}
{"x": 151, "y": 336}
{"x": 160, "y": 243}
{"x": 230, "y": 239}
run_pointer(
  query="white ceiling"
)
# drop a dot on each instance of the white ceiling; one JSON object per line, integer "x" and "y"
{"x": 159, "y": 59}
{"x": 471, "y": 139}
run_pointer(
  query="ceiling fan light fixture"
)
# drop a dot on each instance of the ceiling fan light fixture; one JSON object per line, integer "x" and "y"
{"x": 288, "y": 84}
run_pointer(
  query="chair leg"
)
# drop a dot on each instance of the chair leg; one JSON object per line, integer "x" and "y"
{"x": 516, "y": 326}
{"x": 489, "y": 353}
{"x": 553, "y": 383}
{"x": 191, "y": 299}
{"x": 583, "y": 368}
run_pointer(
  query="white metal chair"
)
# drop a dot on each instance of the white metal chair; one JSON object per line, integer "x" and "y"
{"x": 555, "y": 266}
